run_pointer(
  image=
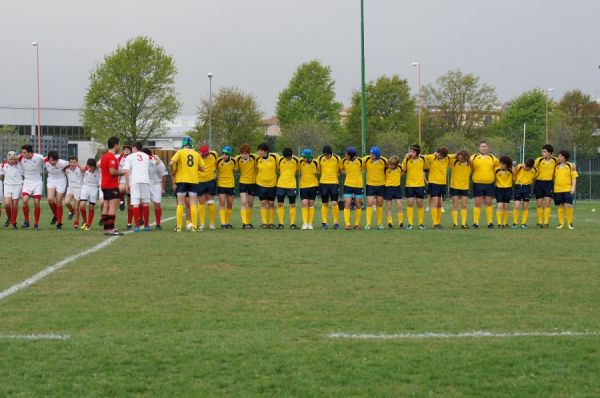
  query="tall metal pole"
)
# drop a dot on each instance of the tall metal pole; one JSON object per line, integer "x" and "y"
{"x": 210, "y": 75}
{"x": 39, "y": 130}
{"x": 418, "y": 65}
{"x": 363, "y": 105}
{"x": 548, "y": 90}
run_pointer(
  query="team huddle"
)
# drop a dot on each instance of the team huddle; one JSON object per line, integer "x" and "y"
{"x": 134, "y": 174}
{"x": 199, "y": 176}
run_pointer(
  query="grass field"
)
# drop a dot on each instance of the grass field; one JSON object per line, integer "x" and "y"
{"x": 250, "y": 313}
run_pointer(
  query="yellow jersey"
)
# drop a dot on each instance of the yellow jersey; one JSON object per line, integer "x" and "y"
{"x": 210, "y": 167}
{"x": 266, "y": 170}
{"x": 504, "y": 178}
{"x": 375, "y": 170}
{"x": 393, "y": 177}
{"x": 415, "y": 171}
{"x": 353, "y": 170}
{"x": 483, "y": 167}
{"x": 225, "y": 172}
{"x": 308, "y": 173}
{"x": 329, "y": 169}
{"x": 524, "y": 177}
{"x": 460, "y": 175}
{"x": 247, "y": 168}
{"x": 186, "y": 163}
{"x": 438, "y": 169}
{"x": 545, "y": 168}
{"x": 288, "y": 172}
{"x": 563, "y": 177}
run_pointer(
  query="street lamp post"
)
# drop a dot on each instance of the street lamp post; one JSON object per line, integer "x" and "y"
{"x": 39, "y": 129}
{"x": 363, "y": 105}
{"x": 549, "y": 90}
{"x": 210, "y": 76}
{"x": 418, "y": 65}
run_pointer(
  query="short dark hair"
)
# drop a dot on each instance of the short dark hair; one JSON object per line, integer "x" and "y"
{"x": 263, "y": 146}
{"x": 287, "y": 152}
{"x": 565, "y": 154}
{"x": 113, "y": 141}
{"x": 73, "y": 158}
{"x": 53, "y": 155}
{"x": 139, "y": 145}
{"x": 483, "y": 142}
{"x": 529, "y": 163}
{"x": 443, "y": 151}
{"x": 506, "y": 160}
{"x": 28, "y": 148}
{"x": 91, "y": 162}
{"x": 327, "y": 150}
{"x": 548, "y": 148}
{"x": 244, "y": 148}
{"x": 147, "y": 151}
{"x": 416, "y": 148}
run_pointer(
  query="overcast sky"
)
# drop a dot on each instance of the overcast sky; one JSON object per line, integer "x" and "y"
{"x": 514, "y": 45}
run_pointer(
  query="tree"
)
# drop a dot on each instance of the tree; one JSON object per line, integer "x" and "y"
{"x": 236, "y": 119}
{"x": 312, "y": 134}
{"x": 391, "y": 119}
{"x": 529, "y": 108}
{"x": 458, "y": 103}
{"x": 309, "y": 97}
{"x": 132, "y": 93}
{"x": 579, "y": 116}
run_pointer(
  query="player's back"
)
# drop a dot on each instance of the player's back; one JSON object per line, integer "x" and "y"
{"x": 186, "y": 162}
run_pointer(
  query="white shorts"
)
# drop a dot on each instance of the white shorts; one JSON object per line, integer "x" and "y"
{"x": 75, "y": 191}
{"x": 89, "y": 193}
{"x": 100, "y": 195}
{"x": 60, "y": 185}
{"x": 156, "y": 193}
{"x": 1, "y": 190}
{"x": 33, "y": 188}
{"x": 12, "y": 191}
{"x": 122, "y": 180}
{"x": 139, "y": 193}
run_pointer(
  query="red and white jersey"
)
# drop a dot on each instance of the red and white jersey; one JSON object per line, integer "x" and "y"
{"x": 32, "y": 168}
{"x": 74, "y": 176}
{"x": 91, "y": 178}
{"x": 138, "y": 166}
{"x": 13, "y": 174}
{"x": 157, "y": 170}
{"x": 56, "y": 172}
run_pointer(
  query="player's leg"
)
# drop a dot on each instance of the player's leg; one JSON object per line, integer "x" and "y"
{"x": 388, "y": 213}
{"x": 379, "y": 205}
{"x": 59, "y": 208}
{"x": 250, "y": 205}
{"x": 292, "y": 203}
{"x": 358, "y": 202}
{"x": 223, "y": 210}
{"x": 516, "y": 212}
{"x": 7, "y": 200}
{"x": 525, "y": 215}
{"x": 51, "y": 196}
{"x": 399, "y": 212}
{"x": 210, "y": 205}
{"x": 325, "y": 193}
{"x": 181, "y": 204}
{"x": 420, "y": 212}
{"x": 410, "y": 209}
{"x": 229, "y": 209}
{"x": 477, "y": 202}
{"x": 243, "y": 211}
{"x": 335, "y": 208}
{"x": 369, "y": 210}
{"x": 454, "y": 212}
{"x": 547, "y": 209}
{"x": 433, "y": 207}
{"x": 489, "y": 210}
{"x": 281, "y": 194}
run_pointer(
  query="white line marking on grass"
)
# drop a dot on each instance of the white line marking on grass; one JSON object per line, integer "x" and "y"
{"x": 47, "y": 271}
{"x": 477, "y": 334}
{"x": 42, "y": 336}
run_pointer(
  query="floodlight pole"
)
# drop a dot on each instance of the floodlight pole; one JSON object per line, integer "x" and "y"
{"x": 363, "y": 105}
{"x": 39, "y": 128}
{"x": 418, "y": 65}
{"x": 210, "y": 76}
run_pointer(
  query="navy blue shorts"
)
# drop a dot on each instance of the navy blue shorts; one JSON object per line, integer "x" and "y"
{"x": 183, "y": 188}
{"x": 375, "y": 190}
{"x": 329, "y": 192}
{"x": 459, "y": 192}
{"x": 503, "y": 195}
{"x": 436, "y": 189}
{"x": 225, "y": 191}
{"x": 351, "y": 192}
{"x": 415, "y": 192}
{"x": 283, "y": 192}
{"x": 208, "y": 188}
{"x": 483, "y": 189}
{"x": 522, "y": 193}
{"x": 562, "y": 198}
{"x": 249, "y": 189}
{"x": 308, "y": 193}
{"x": 266, "y": 193}
{"x": 392, "y": 193}
{"x": 543, "y": 189}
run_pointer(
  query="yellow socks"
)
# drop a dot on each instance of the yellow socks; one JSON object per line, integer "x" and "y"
{"x": 264, "y": 216}
{"x": 489, "y": 214}
{"x": 455, "y": 217}
{"x": 311, "y": 215}
{"x": 369, "y": 217}
{"x": 243, "y": 213}
{"x": 515, "y": 216}
{"x": 324, "y": 211}
{"x": 379, "y": 215}
{"x": 421, "y": 215}
{"x": 463, "y": 216}
{"x": 304, "y": 215}
{"x": 194, "y": 215}
{"x": 561, "y": 215}
{"x": 525, "y": 216}
{"x": 292, "y": 215}
{"x": 223, "y": 216}
{"x": 400, "y": 217}
{"x": 547, "y": 211}
{"x": 280, "y": 214}
{"x": 410, "y": 213}
{"x": 569, "y": 211}
{"x": 336, "y": 214}
{"x": 389, "y": 219}
{"x": 505, "y": 217}
{"x": 271, "y": 215}
{"x": 202, "y": 213}
{"x": 249, "y": 215}
{"x": 180, "y": 215}
{"x": 476, "y": 215}
{"x": 347, "y": 216}
{"x": 358, "y": 213}
{"x": 499, "y": 217}
{"x": 540, "y": 215}
{"x": 212, "y": 213}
